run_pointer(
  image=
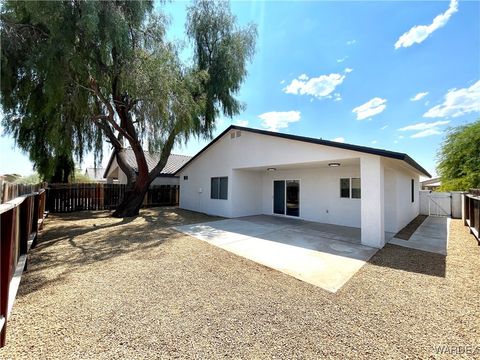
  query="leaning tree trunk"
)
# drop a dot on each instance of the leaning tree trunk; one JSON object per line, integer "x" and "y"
{"x": 133, "y": 199}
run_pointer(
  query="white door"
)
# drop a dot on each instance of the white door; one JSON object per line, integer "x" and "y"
{"x": 439, "y": 204}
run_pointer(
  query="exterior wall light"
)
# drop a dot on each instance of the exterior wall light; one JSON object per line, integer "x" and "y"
{"x": 271, "y": 169}
{"x": 334, "y": 164}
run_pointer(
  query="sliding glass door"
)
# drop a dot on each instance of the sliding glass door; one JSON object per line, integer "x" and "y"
{"x": 279, "y": 197}
{"x": 293, "y": 198}
{"x": 286, "y": 197}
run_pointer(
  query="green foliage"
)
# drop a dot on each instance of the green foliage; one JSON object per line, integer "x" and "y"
{"x": 31, "y": 179}
{"x": 80, "y": 177}
{"x": 459, "y": 158}
{"x": 76, "y": 73}
{"x": 220, "y": 50}
{"x": 11, "y": 177}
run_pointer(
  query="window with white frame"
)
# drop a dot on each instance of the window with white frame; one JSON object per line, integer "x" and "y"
{"x": 350, "y": 188}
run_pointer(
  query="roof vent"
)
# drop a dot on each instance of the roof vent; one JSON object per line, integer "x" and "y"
{"x": 232, "y": 135}
{"x": 239, "y": 133}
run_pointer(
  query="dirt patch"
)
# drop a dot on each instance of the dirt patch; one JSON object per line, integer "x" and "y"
{"x": 407, "y": 232}
{"x": 104, "y": 288}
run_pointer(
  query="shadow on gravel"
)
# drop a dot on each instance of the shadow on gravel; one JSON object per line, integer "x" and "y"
{"x": 411, "y": 260}
{"x": 72, "y": 241}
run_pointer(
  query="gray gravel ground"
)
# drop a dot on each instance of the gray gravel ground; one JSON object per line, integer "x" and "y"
{"x": 104, "y": 288}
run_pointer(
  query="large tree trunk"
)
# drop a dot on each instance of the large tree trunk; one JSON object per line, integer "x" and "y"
{"x": 133, "y": 199}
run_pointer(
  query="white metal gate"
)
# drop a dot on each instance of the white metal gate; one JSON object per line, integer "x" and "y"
{"x": 439, "y": 204}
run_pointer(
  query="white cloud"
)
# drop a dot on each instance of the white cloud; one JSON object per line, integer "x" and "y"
{"x": 424, "y": 125}
{"x": 383, "y": 127}
{"x": 427, "y": 132}
{"x": 419, "y": 96}
{"x": 337, "y": 97}
{"x": 374, "y": 141}
{"x": 275, "y": 120}
{"x": 348, "y": 70}
{"x": 395, "y": 141}
{"x": 282, "y": 82}
{"x": 424, "y": 129}
{"x": 370, "y": 108}
{"x": 241, "y": 122}
{"x": 319, "y": 87}
{"x": 351, "y": 42}
{"x": 419, "y": 33}
{"x": 457, "y": 102}
{"x": 339, "y": 139}
{"x": 342, "y": 59}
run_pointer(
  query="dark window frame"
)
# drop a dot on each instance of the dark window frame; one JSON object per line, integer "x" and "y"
{"x": 219, "y": 188}
{"x": 413, "y": 190}
{"x": 351, "y": 193}
{"x": 342, "y": 195}
{"x": 185, "y": 177}
{"x": 359, "y": 196}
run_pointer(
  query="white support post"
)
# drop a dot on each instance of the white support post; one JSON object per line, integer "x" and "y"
{"x": 372, "y": 202}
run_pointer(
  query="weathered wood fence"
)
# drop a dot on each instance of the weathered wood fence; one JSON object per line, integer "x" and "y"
{"x": 20, "y": 220}
{"x": 78, "y": 197}
{"x": 471, "y": 212}
{"x": 9, "y": 191}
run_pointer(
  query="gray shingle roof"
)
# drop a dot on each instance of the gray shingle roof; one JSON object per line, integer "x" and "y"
{"x": 174, "y": 161}
{"x": 364, "y": 149}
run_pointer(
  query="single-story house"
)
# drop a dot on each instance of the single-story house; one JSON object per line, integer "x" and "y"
{"x": 166, "y": 177}
{"x": 246, "y": 171}
{"x": 431, "y": 184}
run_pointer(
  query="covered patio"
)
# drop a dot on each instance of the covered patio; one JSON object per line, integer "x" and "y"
{"x": 346, "y": 192}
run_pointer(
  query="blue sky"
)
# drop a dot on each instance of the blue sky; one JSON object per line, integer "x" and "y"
{"x": 392, "y": 75}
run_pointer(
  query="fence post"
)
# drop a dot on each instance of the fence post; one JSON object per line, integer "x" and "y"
{"x": 6, "y": 240}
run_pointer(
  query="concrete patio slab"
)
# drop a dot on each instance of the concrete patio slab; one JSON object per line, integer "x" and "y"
{"x": 323, "y": 255}
{"x": 431, "y": 236}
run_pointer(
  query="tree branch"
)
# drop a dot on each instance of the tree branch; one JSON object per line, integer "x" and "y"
{"x": 111, "y": 111}
{"x": 166, "y": 150}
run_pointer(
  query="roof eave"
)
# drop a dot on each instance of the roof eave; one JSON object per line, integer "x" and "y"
{"x": 358, "y": 148}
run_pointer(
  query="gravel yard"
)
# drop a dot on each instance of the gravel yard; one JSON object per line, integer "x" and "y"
{"x": 105, "y": 288}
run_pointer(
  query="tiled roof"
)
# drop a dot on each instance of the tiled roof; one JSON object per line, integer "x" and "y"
{"x": 174, "y": 161}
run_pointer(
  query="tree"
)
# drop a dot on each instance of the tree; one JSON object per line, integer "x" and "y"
{"x": 104, "y": 70}
{"x": 31, "y": 179}
{"x": 459, "y": 158}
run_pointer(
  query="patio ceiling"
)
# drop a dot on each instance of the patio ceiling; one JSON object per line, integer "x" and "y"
{"x": 307, "y": 165}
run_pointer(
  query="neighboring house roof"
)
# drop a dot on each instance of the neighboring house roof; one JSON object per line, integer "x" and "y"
{"x": 364, "y": 149}
{"x": 431, "y": 182}
{"x": 174, "y": 162}
{"x": 95, "y": 173}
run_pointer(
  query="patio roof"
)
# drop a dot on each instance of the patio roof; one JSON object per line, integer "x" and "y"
{"x": 364, "y": 149}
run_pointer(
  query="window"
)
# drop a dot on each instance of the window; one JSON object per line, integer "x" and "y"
{"x": 185, "y": 177}
{"x": 345, "y": 188}
{"x": 350, "y": 188}
{"x": 413, "y": 191}
{"x": 356, "y": 188}
{"x": 219, "y": 188}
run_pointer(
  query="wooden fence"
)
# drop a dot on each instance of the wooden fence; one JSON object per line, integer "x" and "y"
{"x": 78, "y": 197}
{"x": 20, "y": 220}
{"x": 9, "y": 191}
{"x": 471, "y": 212}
